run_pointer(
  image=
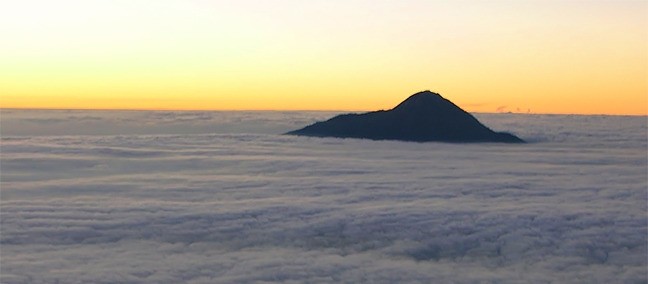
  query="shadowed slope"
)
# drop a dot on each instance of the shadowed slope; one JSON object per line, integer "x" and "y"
{"x": 424, "y": 116}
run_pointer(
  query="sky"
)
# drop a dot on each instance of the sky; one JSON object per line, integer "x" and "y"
{"x": 580, "y": 57}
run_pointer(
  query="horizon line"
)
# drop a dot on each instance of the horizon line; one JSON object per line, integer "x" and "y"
{"x": 294, "y": 110}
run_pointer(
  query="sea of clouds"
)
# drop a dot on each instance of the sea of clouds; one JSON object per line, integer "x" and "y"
{"x": 220, "y": 197}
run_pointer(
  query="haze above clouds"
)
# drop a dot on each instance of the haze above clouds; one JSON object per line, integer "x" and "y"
{"x": 218, "y": 197}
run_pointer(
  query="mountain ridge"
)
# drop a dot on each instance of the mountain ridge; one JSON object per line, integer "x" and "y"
{"x": 422, "y": 117}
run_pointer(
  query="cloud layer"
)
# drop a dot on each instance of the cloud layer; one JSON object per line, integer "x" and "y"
{"x": 110, "y": 122}
{"x": 222, "y": 208}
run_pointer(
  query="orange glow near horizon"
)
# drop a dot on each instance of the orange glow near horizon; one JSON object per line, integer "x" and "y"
{"x": 497, "y": 56}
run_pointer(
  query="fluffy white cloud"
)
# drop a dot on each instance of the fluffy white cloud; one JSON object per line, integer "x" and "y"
{"x": 222, "y": 208}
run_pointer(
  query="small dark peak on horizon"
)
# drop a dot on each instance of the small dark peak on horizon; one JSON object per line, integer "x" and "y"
{"x": 422, "y": 117}
{"x": 425, "y": 93}
{"x": 424, "y": 99}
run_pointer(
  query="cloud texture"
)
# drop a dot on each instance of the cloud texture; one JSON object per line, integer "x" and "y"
{"x": 256, "y": 207}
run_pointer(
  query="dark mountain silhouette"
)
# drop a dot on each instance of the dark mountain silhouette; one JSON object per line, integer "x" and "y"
{"x": 424, "y": 116}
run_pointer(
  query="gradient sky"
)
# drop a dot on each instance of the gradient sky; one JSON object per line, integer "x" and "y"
{"x": 546, "y": 56}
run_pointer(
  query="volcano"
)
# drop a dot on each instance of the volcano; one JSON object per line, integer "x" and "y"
{"x": 423, "y": 117}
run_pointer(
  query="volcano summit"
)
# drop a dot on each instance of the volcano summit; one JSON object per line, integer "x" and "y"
{"x": 423, "y": 117}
